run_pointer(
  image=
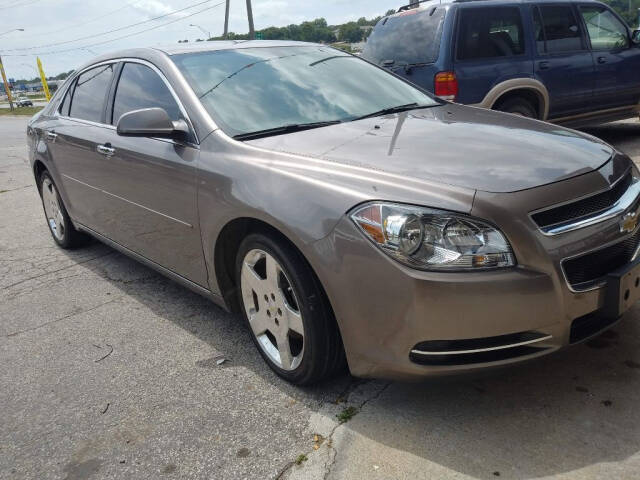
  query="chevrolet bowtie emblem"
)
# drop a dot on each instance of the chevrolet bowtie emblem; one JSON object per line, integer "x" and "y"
{"x": 629, "y": 222}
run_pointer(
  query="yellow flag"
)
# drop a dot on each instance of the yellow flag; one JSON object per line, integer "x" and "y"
{"x": 45, "y": 85}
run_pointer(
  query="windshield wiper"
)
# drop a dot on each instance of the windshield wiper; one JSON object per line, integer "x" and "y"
{"x": 394, "y": 65}
{"x": 397, "y": 109}
{"x": 294, "y": 127}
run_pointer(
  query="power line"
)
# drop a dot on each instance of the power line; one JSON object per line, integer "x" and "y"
{"x": 21, "y": 49}
{"x": 113, "y": 39}
{"x": 7, "y": 6}
{"x": 84, "y": 22}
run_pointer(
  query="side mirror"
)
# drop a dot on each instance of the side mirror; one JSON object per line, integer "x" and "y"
{"x": 635, "y": 37}
{"x": 151, "y": 122}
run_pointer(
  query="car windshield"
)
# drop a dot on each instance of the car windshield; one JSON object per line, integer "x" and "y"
{"x": 411, "y": 37}
{"x": 255, "y": 89}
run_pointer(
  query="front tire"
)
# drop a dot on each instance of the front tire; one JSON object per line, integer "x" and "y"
{"x": 287, "y": 312}
{"x": 58, "y": 221}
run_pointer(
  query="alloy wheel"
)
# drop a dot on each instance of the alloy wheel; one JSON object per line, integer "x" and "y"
{"x": 272, "y": 309}
{"x": 52, "y": 209}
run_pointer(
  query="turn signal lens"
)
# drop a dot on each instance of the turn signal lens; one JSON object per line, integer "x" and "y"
{"x": 446, "y": 86}
{"x": 429, "y": 239}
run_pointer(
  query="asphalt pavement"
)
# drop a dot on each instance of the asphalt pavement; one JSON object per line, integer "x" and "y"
{"x": 108, "y": 370}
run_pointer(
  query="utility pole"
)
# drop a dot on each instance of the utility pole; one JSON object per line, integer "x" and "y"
{"x": 7, "y": 88}
{"x": 226, "y": 21}
{"x": 252, "y": 33}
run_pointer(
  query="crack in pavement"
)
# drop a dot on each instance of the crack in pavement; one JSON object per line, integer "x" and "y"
{"x": 332, "y": 451}
{"x": 15, "y": 189}
{"x": 329, "y": 465}
{"x": 6, "y": 287}
{"x": 65, "y": 317}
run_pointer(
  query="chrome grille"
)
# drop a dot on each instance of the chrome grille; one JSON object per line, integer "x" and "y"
{"x": 584, "y": 207}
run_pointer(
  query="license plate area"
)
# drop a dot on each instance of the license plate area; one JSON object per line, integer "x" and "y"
{"x": 623, "y": 290}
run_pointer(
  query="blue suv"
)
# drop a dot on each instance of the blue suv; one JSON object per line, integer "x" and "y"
{"x": 570, "y": 62}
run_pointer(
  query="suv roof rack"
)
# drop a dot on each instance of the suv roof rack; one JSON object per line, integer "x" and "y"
{"x": 417, "y": 3}
{"x": 412, "y": 5}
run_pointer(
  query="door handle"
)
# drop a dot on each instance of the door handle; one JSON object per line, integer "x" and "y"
{"x": 106, "y": 149}
{"x": 543, "y": 65}
{"x": 51, "y": 136}
{"x": 602, "y": 60}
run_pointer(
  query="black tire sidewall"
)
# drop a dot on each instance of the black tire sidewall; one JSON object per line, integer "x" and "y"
{"x": 310, "y": 301}
{"x": 518, "y": 106}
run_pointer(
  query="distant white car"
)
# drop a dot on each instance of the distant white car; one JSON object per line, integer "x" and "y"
{"x": 23, "y": 102}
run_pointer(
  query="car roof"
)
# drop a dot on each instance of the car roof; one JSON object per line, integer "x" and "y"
{"x": 216, "y": 45}
{"x": 156, "y": 53}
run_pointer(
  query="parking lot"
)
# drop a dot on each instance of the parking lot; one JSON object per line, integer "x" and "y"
{"x": 110, "y": 370}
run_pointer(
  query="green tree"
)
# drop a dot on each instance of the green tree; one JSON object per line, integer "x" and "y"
{"x": 351, "y": 32}
{"x": 627, "y": 9}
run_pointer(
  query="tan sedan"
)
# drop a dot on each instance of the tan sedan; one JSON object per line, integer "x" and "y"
{"x": 350, "y": 217}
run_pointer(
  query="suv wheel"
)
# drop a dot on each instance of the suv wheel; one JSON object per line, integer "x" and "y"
{"x": 60, "y": 226}
{"x": 518, "y": 106}
{"x": 290, "y": 319}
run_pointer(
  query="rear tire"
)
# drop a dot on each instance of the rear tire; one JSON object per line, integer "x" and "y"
{"x": 58, "y": 221}
{"x": 518, "y": 106}
{"x": 289, "y": 317}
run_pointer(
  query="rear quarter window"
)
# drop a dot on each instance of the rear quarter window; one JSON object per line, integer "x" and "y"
{"x": 489, "y": 33}
{"x": 90, "y": 93}
{"x": 407, "y": 38}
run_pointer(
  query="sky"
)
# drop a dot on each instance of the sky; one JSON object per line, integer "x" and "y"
{"x": 61, "y": 25}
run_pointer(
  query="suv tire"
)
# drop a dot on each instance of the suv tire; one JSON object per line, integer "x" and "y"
{"x": 517, "y": 106}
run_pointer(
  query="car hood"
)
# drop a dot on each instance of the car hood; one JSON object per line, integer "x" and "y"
{"x": 453, "y": 144}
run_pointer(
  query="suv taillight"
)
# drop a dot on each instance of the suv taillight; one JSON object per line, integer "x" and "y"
{"x": 446, "y": 86}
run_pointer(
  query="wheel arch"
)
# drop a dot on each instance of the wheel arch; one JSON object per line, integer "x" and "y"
{"x": 516, "y": 86}
{"x": 226, "y": 248}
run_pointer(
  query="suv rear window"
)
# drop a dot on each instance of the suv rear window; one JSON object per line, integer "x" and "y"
{"x": 411, "y": 37}
{"x": 490, "y": 32}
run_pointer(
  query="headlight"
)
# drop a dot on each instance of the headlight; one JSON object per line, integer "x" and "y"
{"x": 429, "y": 239}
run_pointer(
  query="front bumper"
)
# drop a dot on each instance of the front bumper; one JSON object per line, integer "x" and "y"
{"x": 387, "y": 312}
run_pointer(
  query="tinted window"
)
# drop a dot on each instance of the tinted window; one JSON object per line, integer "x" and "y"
{"x": 64, "y": 108}
{"x": 90, "y": 93}
{"x": 252, "y": 89}
{"x": 410, "y": 37}
{"x": 606, "y": 32}
{"x": 561, "y": 29}
{"x": 140, "y": 87}
{"x": 490, "y": 32}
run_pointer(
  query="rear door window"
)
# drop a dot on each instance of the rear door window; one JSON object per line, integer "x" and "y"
{"x": 606, "y": 32}
{"x": 561, "y": 30}
{"x": 411, "y": 37}
{"x": 90, "y": 93}
{"x": 489, "y": 32}
{"x": 140, "y": 87}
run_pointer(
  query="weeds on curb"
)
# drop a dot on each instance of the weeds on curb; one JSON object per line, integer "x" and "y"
{"x": 347, "y": 414}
